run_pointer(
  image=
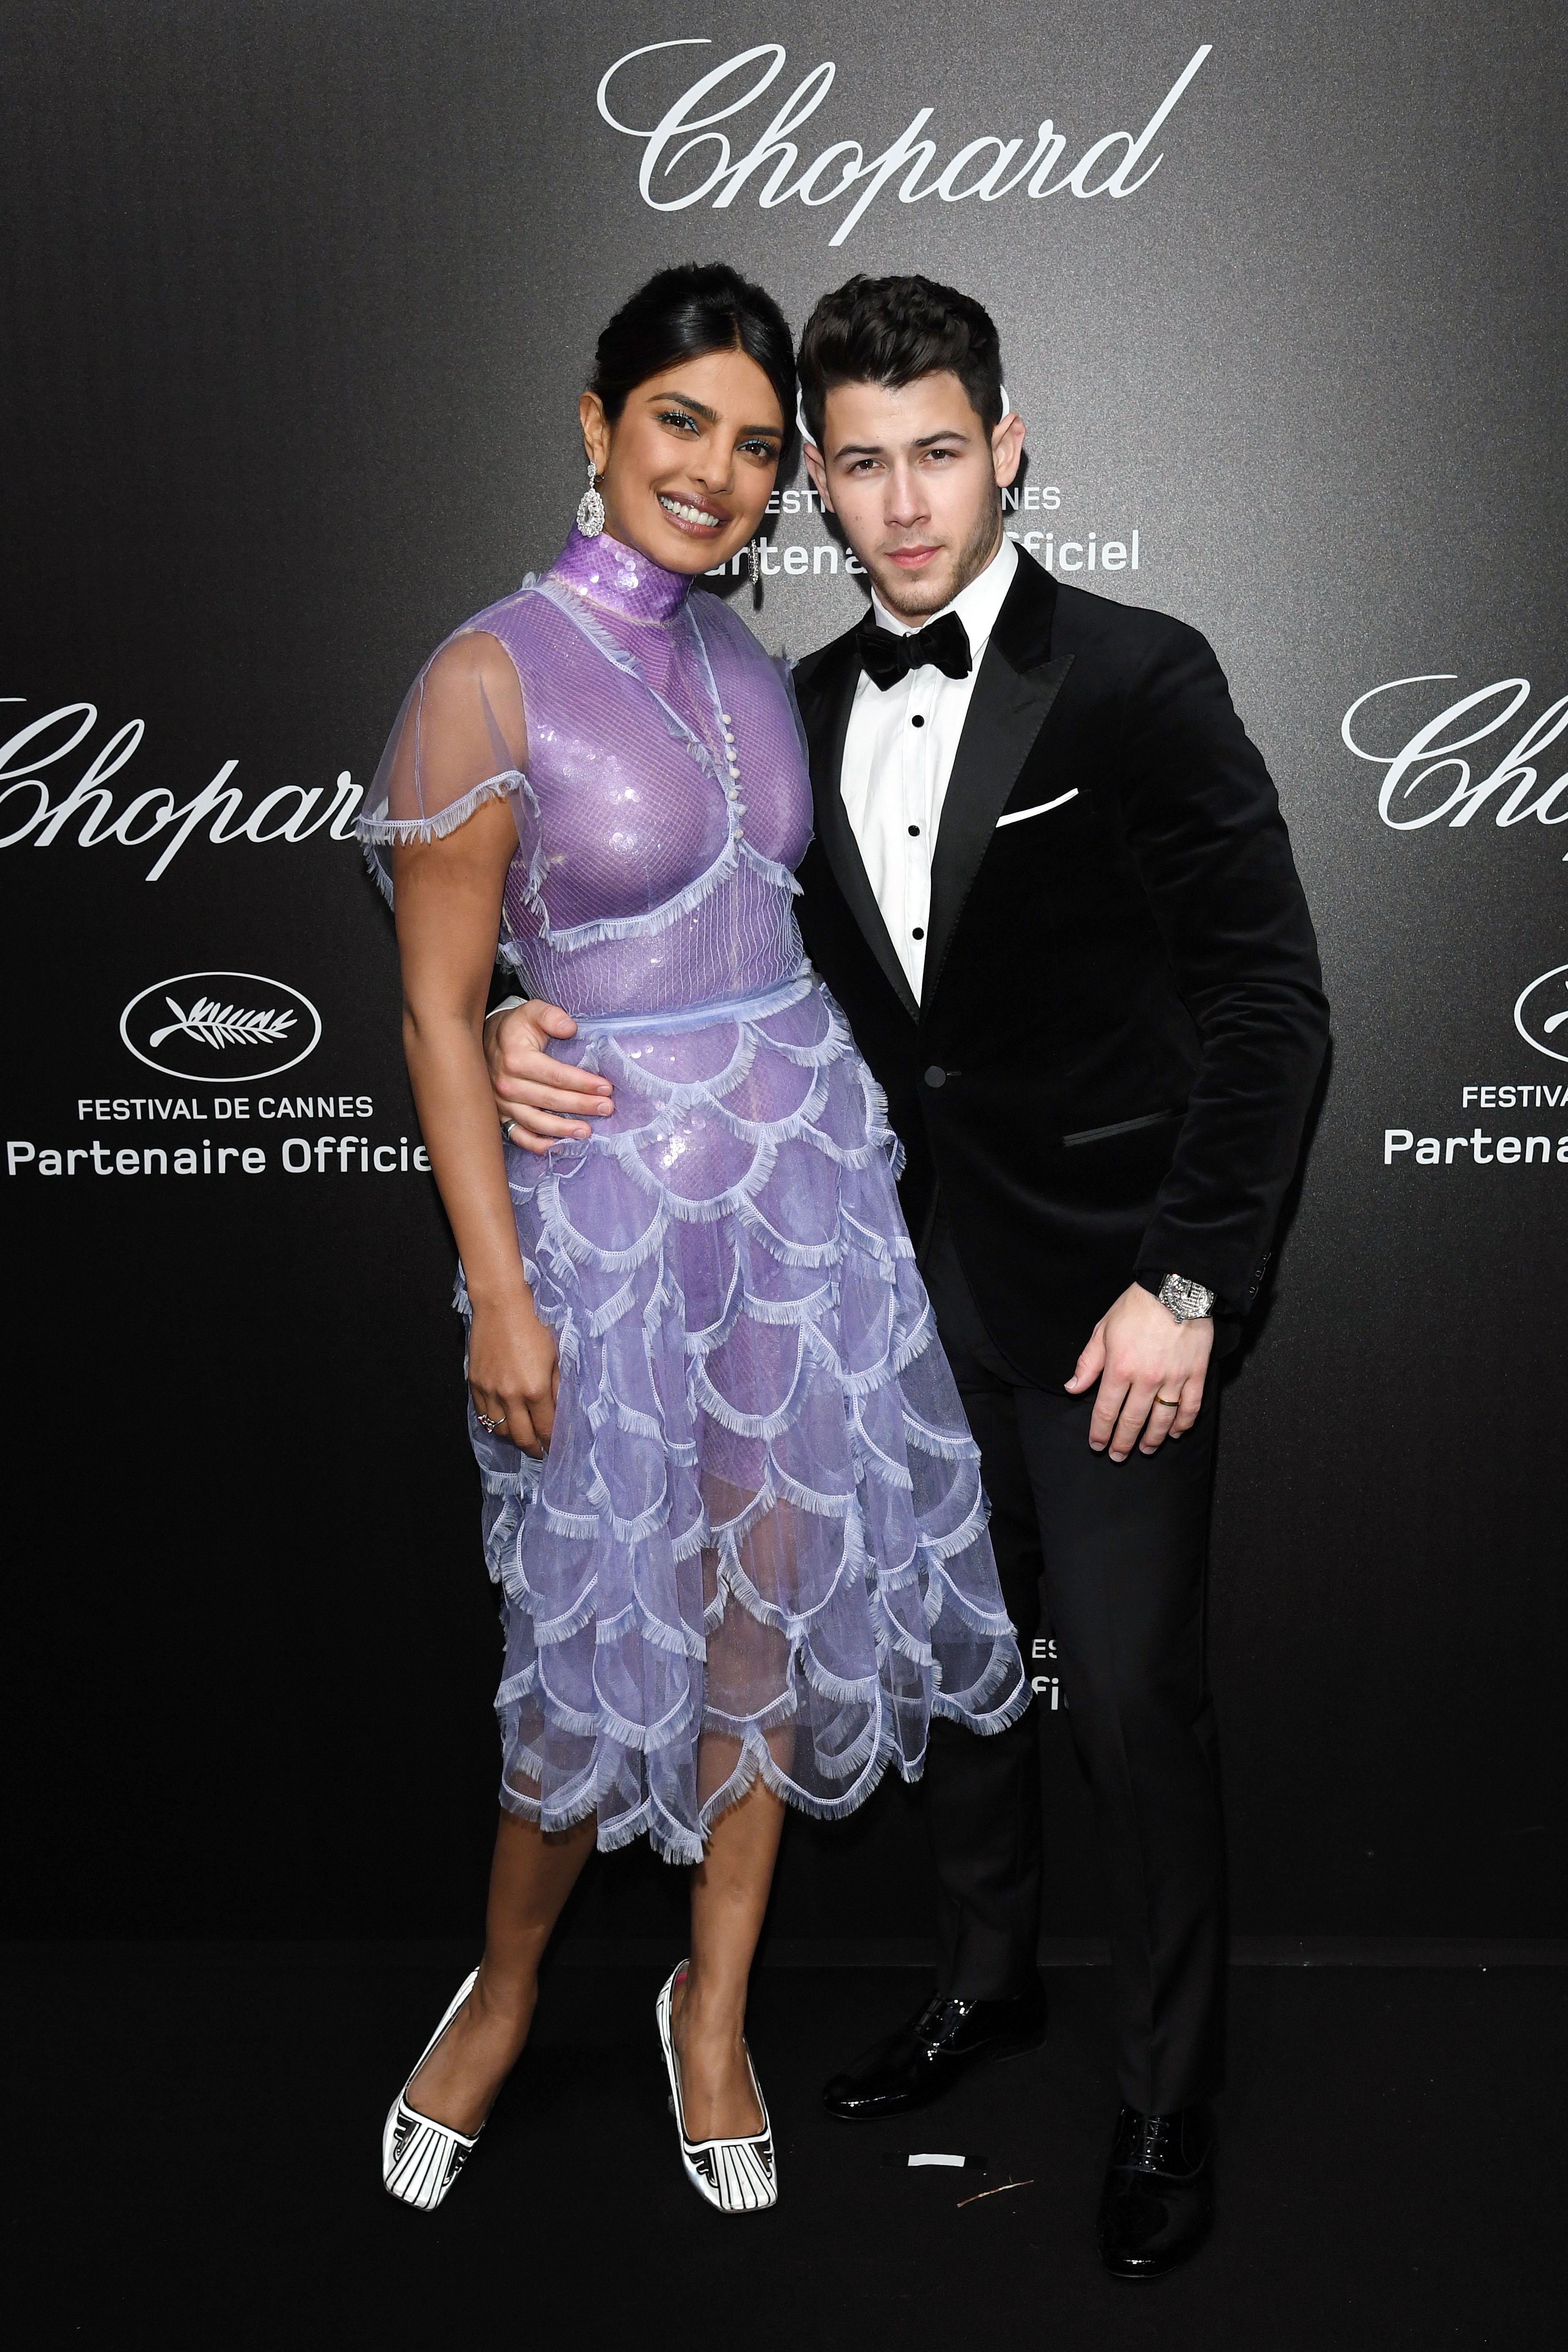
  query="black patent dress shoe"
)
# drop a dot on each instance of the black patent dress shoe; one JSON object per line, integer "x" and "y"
{"x": 1157, "y": 2205}
{"x": 925, "y": 2057}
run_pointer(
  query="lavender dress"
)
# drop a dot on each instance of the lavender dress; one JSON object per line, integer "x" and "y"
{"x": 758, "y": 1543}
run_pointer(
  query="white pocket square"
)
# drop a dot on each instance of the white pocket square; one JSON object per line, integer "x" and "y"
{"x": 1017, "y": 816}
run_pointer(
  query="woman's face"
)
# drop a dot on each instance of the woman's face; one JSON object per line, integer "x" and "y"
{"x": 687, "y": 469}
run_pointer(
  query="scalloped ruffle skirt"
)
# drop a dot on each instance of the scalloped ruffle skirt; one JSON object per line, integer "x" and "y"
{"x": 757, "y": 1545}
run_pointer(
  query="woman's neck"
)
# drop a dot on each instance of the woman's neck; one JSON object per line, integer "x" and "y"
{"x": 621, "y": 578}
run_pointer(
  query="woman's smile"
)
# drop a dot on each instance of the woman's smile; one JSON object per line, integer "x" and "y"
{"x": 689, "y": 514}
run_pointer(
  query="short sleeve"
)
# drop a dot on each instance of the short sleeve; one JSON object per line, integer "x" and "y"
{"x": 460, "y": 739}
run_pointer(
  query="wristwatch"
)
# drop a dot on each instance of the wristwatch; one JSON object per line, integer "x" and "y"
{"x": 1189, "y": 1302}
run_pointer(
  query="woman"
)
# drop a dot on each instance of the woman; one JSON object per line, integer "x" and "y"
{"x": 730, "y": 1496}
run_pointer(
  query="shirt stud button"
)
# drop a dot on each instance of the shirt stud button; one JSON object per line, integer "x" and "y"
{"x": 913, "y": 831}
{"x": 918, "y": 933}
{"x": 916, "y": 720}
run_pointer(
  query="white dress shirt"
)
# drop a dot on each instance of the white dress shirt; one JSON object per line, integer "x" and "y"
{"x": 898, "y": 756}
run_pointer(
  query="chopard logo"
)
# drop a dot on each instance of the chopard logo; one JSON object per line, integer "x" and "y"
{"x": 1540, "y": 1014}
{"x": 989, "y": 167}
{"x": 40, "y": 809}
{"x": 224, "y": 1028}
{"x": 1427, "y": 782}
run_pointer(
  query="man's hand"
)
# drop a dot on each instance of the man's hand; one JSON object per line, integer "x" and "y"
{"x": 1151, "y": 1370}
{"x": 538, "y": 1100}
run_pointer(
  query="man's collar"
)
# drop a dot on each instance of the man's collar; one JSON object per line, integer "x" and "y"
{"x": 977, "y": 605}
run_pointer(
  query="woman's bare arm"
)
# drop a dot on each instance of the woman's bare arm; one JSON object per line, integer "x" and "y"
{"x": 447, "y": 896}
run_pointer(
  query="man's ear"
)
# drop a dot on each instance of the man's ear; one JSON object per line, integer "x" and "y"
{"x": 1007, "y": 447}
{"x": 818, "y": 472}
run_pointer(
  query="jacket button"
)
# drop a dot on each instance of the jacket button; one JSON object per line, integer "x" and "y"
{"x": 936, "y": 1076}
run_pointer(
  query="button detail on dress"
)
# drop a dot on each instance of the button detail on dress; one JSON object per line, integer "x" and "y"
{"x": 936, "y": 1075}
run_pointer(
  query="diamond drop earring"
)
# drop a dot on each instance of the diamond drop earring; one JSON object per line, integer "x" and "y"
{"x": 755, "y": 563}
{"x": 591, "y": 507}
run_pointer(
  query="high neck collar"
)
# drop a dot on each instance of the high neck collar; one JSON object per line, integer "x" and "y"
{"x": 621, "y": 578}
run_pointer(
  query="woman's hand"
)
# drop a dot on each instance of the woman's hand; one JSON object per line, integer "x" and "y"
{"x": 514, "y": 1373}
{"x": 541, "y": 1101}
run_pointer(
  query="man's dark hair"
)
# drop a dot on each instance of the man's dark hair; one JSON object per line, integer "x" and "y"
{"x": 892, "y": 331}
{"x": 684, "y": 314}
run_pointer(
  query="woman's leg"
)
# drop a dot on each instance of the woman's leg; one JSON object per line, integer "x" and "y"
{"x": 729, "y": 1896}
{"x": 531, "y": 1877}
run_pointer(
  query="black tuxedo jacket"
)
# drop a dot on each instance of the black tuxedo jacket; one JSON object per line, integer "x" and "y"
{"x": 1123, "y": 1017}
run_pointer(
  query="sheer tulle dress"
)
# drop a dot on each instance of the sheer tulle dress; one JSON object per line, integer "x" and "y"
{"x": 758, "y": 1543}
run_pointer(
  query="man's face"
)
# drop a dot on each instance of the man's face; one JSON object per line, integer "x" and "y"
{"x": 913, "y": 475}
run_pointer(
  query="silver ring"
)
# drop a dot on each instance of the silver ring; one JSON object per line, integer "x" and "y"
{"x": 487, "y": 1424}
{"x": 506, "y": 1128}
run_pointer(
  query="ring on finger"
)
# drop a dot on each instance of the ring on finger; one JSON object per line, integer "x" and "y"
{"x": 1174, "y": 1403}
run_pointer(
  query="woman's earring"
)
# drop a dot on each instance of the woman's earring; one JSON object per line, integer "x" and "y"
{"x": 754, "y": 562}
{"x": 591, "y": 507}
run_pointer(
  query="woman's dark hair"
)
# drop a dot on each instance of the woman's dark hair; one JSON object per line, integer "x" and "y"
{"x": 890, "y": 331}
{"x": 682, "y": 314}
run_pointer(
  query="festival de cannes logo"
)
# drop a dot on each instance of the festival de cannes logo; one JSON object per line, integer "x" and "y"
{"x": 1541, "y": 1015}
{"x": 225, "y": 1028}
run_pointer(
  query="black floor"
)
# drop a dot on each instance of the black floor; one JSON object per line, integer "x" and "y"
{"x": 197, "y": 2164}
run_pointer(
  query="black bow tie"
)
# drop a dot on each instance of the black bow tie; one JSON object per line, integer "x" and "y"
{"x": 885, "y": 657}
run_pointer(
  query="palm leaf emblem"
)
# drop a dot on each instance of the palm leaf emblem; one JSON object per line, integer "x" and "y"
{"x": 212, "y": 1023}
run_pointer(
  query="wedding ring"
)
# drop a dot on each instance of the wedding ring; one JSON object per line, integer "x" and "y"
{"x": 1171, "y": 1401}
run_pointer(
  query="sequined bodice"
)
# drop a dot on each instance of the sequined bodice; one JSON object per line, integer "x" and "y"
{"x": 667, "y": 799}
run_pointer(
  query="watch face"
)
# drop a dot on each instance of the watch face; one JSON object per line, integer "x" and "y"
{"x": 1190, "y": 1300}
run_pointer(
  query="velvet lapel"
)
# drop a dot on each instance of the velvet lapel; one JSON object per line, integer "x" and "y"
{"x": 1017, "y": 684}
{"x": 824, "y": 709}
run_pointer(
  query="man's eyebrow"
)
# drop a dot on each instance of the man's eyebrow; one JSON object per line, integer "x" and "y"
{"x": 879, "y": 449}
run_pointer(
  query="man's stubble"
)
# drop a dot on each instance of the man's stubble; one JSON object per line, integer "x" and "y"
{"x": 916, "y": 600}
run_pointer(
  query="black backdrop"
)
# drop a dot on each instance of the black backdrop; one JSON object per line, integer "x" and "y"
{"x": 299, "y": 298}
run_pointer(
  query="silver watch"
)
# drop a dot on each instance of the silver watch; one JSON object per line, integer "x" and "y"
{"x": 1188, "y": 1301}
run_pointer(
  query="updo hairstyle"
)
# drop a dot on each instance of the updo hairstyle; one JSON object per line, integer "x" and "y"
{"x": 684, "y": 314}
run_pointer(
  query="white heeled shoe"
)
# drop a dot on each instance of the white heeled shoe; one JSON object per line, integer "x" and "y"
{"x": 737, "y": 2176}
{"x": 421, "y": 2158}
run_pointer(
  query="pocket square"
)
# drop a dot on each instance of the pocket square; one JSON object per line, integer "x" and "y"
{"x": 1016, "y": 816}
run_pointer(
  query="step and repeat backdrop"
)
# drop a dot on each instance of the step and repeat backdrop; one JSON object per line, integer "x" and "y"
{"x": 299, "y": 299}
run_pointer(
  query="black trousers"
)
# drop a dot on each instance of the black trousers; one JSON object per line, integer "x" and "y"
{"x": 1121, "y": 1550}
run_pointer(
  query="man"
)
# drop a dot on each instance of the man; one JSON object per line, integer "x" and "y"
{"x": 1052, "y": 889}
